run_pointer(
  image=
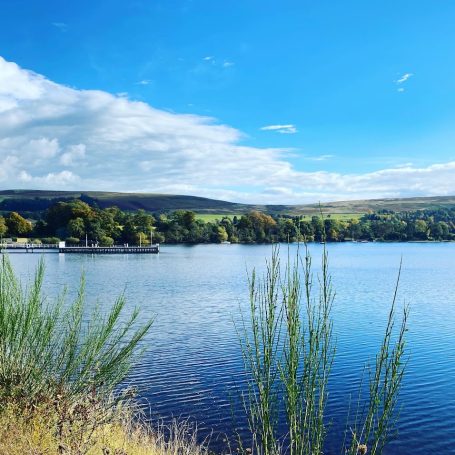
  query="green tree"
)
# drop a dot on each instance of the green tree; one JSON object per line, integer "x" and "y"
{"x": 110, "y": 220}
{"x": 332, "y": 229}
{"x": 143, "y": 221}
{"x": 3, "y": 227}
{"x": 76, "y": 227}
{"x": 17, "y": 225}
{"x": 58, "y": 215}
{"x": 184, "y": 217}
{"x": 222, "y": 234}
{"x": 421, "y": 229}
{"x": 129, "y": 233}
{"x": 287, "y": 230}
{"x": 318, "y": 228}
{"x": 158, "y": 237}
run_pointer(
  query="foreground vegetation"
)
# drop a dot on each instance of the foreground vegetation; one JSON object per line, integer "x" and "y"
{"x": 45, "y": 431}
{"x": 288, "y": 350}
{"x": 61, "y": 365}
{"x": 76, "y": 222}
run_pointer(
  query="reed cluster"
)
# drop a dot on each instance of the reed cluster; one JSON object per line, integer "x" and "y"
{"x": 289, "y": 348}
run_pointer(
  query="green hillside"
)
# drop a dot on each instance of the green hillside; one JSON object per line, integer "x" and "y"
{"x": 39, "y": 200}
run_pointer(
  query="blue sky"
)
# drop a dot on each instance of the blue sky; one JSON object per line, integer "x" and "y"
{"x": 255, "y": 101}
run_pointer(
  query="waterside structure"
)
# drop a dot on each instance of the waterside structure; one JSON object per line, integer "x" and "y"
{"x": 93, "y": 249}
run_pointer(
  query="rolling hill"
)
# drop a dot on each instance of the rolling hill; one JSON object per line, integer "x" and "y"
{"x": 39, "y": 200}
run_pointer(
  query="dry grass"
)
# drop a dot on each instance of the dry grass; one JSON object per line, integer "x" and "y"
{"x": 48, "y": 432}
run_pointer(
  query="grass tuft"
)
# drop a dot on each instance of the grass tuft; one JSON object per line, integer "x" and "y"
{"x": 94, "y": 432}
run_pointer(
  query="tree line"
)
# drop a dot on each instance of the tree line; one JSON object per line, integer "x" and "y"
{"x": 75, "y": 221}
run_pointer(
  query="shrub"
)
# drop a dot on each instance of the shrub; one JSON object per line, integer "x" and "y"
{"x": 106, "y": 241}
{"x": 49, "y": 350}
{"x": 158, "y": 237}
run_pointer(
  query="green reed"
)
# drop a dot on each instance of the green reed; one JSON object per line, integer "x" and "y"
{"x": 59, "y": 349}
{"x": 376, "y": 425}
{"x": 288, "y": 350}
{"x": 260, "y": 353}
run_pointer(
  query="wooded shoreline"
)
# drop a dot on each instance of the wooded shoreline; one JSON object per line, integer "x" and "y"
{"x": 79, "y": 224}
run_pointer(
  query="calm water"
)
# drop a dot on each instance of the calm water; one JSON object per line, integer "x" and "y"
{"x": 193, "y": 365}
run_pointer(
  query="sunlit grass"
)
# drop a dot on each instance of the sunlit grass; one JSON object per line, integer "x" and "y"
{"x": 92, "y": 432}
{"x": 337, "y": 216}
{"x": 210, "y": 217}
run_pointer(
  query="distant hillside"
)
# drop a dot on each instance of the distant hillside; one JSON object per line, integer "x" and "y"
{"x": 40, "y": 200}
{"x": 395, "y": 205}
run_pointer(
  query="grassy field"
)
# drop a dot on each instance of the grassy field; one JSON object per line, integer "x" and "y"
{"x": 336, "y": 216}
{"x": 208, "y": 217}
{"x": 366, "y": 205}
{"x": 214, "y": 216}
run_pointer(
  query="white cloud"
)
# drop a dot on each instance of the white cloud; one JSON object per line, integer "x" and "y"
{"x": 144, "y": 82}
{"x": 209, "y": 58}
{"x": 227, "y": 64}
{"x": 73, "y": 154}
{"x": 283, "y": 129}
{"x": 51, "y": 179}
{"x": 56, "y": 137}
{"x": 404, "y": 78}
{"x": 57, "y": 179}
{"x": 40, "y": 149}
{"x": 400, "y": 89}
{"x": 24, "y": 176}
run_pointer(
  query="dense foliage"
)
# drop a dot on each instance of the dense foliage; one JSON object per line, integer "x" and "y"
{"x": 77, "y": 221}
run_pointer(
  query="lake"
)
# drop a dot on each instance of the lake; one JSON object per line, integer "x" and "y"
{"x": 193, "y": 366}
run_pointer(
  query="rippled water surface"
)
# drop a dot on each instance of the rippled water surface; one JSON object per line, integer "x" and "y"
{"x": 193, "y": 366}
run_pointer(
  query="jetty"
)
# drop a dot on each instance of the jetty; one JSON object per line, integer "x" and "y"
{"x": 152, "y": 249}
{"x": 63, "y": 249}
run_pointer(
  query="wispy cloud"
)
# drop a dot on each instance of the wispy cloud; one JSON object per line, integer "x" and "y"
{"x": 61, "y": 26}
{"x": 283, "y": 129}
{"x": 144, "y": 82}
{"x": 401, "y": 80}
{"x": 404, "y": 78}
{"x": 319, "y": 158}
{"x": 219, "y": 63}
{"x": 56, "y": 137}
